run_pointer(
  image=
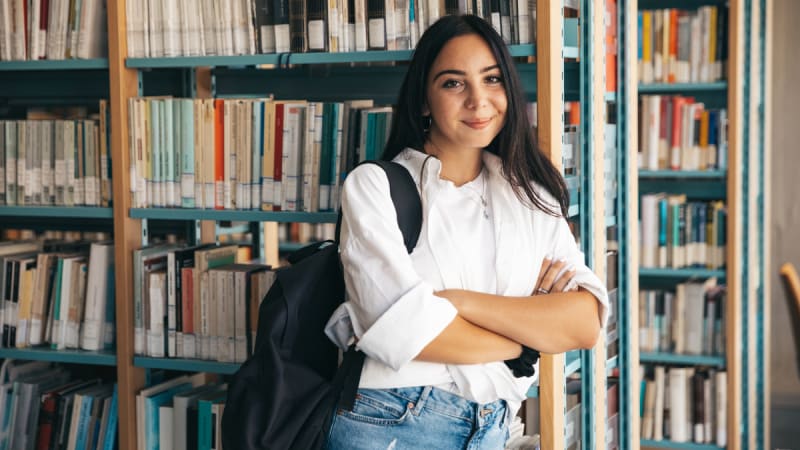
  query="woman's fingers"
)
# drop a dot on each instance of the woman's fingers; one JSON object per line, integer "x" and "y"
{"x": 545, "y": 266}
{"x": 563, "y": 282}
{"x": 549, "y": 279}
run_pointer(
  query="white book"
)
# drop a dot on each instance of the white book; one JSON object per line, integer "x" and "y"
{"x": 171, "y": 23}
{"x": 34, "y": 37}
{"x": 678, "y": 392}
{"x": 5, "y": 31}
{"x": 100, "y": 285}
{"x": 157, "y": 301}
{"x": 18, "y": 25}
{"x": 165, "y": 428}
{"x": 293, "y": 133}
{"x": 155, "y": 28}
{"x": 721, "y": 408}
{"x": 658, "y": 413}
{"x": 92, "y": 34}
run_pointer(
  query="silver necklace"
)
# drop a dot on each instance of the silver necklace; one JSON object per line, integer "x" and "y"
{"x": 482, "y": 194}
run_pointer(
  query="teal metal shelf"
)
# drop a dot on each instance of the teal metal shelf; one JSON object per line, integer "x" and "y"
{"x": 680, "y": 274}
{"x": 611, "y": 364}
{"x": 232, "y": 215}
{"x": 679, "y": 445}
{"x": 186, "y": 365}
{"x": 572, "y": 362}
{"x": 689, "y": 360}
{"x": 684, "y": 174}
{"x": 682, "y": 88}
{"x": 57, "y": 211}
{"x": 63, "y": 64}
{"x": 292, "y": 58}
{"x": 62, "y": 356}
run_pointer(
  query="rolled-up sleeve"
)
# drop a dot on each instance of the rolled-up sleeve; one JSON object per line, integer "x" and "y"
{"x": 565, "y": 248}
{"x": 391, "y": 310}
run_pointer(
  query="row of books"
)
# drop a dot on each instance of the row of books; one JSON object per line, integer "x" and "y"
{"x": 684, "y": 404}
{"x": 689, "y": 320}
{"x": 679, "y": 46}
{"x": 247, "y": 27}
{"x": 54, "y": 162}
{"x": 249, "y": 153}
{"x": 57, "y": 293}
{"x": 196, "y": 302}
{"x": 678, "y": 133}
{"x": 44, "y": 407}
{"x": 52, "y": 29}
{"x": 677, "y": 233}
{"x": 183, "y": 413}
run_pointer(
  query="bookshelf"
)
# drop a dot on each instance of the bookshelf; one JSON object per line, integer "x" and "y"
{"x": 563, "y": 70}
{"x": 741, "y": 185}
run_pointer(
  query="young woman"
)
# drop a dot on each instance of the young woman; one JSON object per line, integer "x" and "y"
{"x": 495, "y": 273}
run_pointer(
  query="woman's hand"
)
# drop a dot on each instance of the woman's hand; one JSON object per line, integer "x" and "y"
{"x": 553, "y": 277}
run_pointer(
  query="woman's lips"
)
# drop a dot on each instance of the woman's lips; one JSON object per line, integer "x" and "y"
{"x": 477, "y": 124}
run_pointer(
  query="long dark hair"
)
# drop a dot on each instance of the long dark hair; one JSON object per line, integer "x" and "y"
{"x": 515, "y": 144}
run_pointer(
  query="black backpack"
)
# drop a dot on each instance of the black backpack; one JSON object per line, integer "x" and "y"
{"x": 284, "y": 395}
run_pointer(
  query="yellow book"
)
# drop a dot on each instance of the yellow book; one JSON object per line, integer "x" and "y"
{"x": 647, "y": 46}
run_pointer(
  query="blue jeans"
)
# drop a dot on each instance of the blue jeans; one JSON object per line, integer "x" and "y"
{"x": 418, "y": 418}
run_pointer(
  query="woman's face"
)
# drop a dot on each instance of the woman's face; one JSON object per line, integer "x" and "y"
{"x": 466, "y": 97}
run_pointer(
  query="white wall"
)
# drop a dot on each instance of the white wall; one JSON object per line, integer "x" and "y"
{"x": 785, "y": 223}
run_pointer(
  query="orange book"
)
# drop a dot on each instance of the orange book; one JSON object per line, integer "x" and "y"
{"x": 219, "y": 154}
{"x": 705, "y": 161}
{"x": 611, "y": 46}
{"x": 574, "y": 117}
{"x": 673, "y": 45}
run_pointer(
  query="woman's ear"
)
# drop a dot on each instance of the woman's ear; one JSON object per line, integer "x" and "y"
{"x": 425, "y": 110}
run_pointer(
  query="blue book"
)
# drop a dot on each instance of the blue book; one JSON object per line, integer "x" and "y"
{"x": 187, "y": 153}
{"x": 205, "y": 424}
{"x": 258, "y": 155}
{"x": 110, "y": 442}
{"x": 151, "y": 405}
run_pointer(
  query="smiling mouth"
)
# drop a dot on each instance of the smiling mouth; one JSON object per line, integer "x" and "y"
{"x": 477, "y": 124}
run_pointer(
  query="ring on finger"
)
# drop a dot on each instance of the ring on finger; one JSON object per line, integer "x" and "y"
{"x": 542, "y": 291}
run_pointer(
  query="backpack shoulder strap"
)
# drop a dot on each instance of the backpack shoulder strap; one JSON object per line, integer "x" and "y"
{"x": 406, "y": 201}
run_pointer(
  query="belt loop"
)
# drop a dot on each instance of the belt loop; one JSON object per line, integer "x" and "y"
{"x": 423, "y": 396}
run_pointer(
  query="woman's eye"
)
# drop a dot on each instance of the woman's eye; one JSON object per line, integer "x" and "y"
{"x": 451, "y": 84}
{"x": 494, "y": 79}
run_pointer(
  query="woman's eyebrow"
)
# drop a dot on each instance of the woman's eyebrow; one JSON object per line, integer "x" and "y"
{"x": 462, "y": 73}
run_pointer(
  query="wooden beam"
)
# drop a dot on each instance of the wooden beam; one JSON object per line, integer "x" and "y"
{"x": 631, "y": 83}
{"x": 733, "y": 327}
{"x": 127, "y": 232}
{"x": 597, "y": 150}
{"x": 550, "y": 110}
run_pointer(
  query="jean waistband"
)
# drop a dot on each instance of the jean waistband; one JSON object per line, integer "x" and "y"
{"x": 448, "y": 403}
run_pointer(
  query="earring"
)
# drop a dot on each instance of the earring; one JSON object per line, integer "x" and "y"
{"x": 426, "y": 123}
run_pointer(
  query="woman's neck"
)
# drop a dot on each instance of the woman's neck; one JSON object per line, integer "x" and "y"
{"x": 460, "y": 167}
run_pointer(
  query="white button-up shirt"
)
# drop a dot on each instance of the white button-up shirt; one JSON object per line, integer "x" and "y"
{"x": 391, "y": 307}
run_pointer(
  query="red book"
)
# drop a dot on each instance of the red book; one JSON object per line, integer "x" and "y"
{"x": 219, "y": 154}
{"x": 276, "y": 204}
{"x": 187, "y": 300}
